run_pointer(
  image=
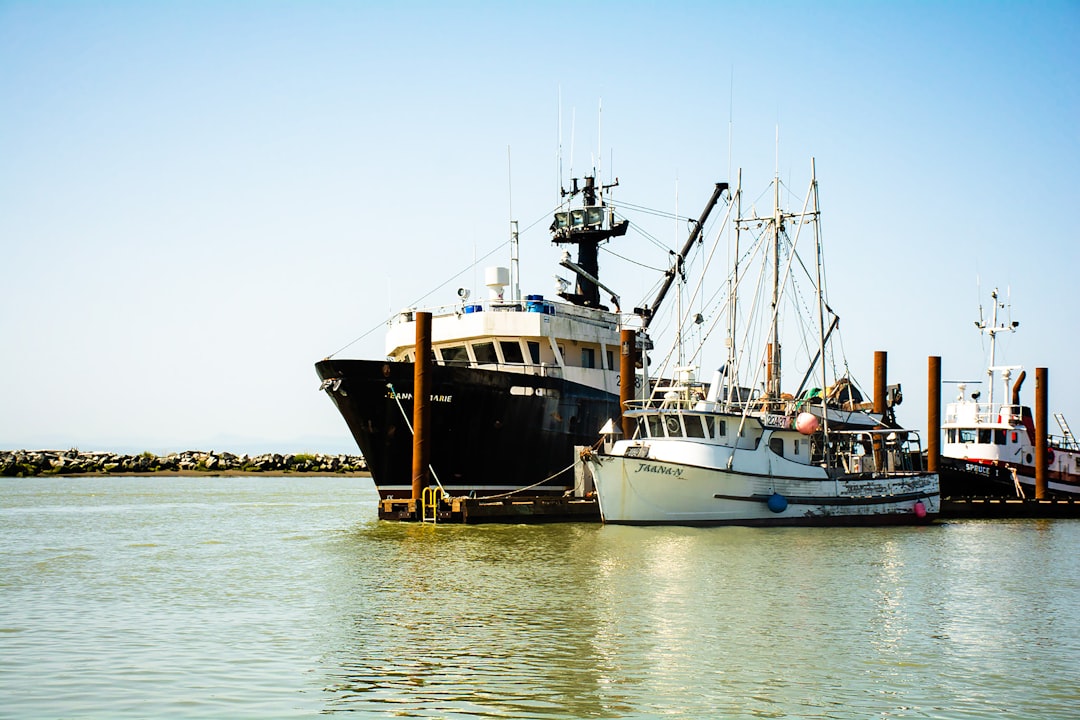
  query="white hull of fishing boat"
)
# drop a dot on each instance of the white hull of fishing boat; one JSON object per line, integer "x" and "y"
{"x": 757, "y": 490}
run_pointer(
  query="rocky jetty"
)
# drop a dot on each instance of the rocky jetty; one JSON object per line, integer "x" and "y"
{"x": 26, "y": 463}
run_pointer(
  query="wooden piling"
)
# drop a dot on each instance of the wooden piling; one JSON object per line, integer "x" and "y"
{"x": 881, "y": 362}
{"x": 421, "y": 456}
{"x": 933, "y": 413}
{"x": 1041, "y": 387}
{"x": 628, "y": 341}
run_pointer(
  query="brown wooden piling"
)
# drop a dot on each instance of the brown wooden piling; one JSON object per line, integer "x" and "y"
{"x": 881, "y": 362}
{"x": 1041, "y": 386}
{"x": 628, "y": 341}
{"x": 933, "y": 412}
{"x": 421, "y": 456}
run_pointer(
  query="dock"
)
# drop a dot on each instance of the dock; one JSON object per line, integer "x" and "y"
{"x": 515, "y": 509}
{"x": 1007, "y": 508}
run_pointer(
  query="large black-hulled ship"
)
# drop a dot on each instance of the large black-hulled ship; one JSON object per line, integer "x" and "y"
{"x": 516, "y": 383}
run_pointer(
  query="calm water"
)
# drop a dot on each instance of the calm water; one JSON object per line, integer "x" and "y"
{"x": 285, "y": 597}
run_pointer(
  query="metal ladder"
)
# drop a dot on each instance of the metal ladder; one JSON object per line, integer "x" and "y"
{"x": 429, "y": 503}
{"x": 1070, "y": 439}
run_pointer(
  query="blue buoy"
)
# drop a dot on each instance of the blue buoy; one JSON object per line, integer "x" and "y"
{"x": 777, "y": 503}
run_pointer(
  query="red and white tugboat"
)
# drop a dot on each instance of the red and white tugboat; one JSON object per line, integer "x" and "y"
{"x": 988, "y": 447}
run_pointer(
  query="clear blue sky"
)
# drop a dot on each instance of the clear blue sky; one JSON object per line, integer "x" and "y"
{"x": 198, "y": 200}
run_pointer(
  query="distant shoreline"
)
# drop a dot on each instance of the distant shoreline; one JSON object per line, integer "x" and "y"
{"x": 73, "y": 463}
{"x": 209, "y": 474}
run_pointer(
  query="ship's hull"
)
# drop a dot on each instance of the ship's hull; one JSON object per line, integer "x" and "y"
{"x": 493, "y": 431}
{"x": 639, "y": 491}
{"x": 981, "y": 478}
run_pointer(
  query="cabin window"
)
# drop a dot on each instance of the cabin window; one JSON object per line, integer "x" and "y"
{"x": 721, "y": 429}
{"x": 795, "y": 445}
{"x": 777, "y": 445}
{"x": 984, "y": 437}
{"x": 999, "y": 437}
{"x": 512, "y": 352}
{"x": 656, "y": 426}
{"x": 562, "y": 352}
{"x": 588, "y": 358}
{"x": 455, "y": 354}
{"x": 674, "y": 427}
{"x": 485, "y": 353}
{"x": 534, "y": 351}
{"x": 610, "y": 360}
{"x": 967, "y": 435}
{"x": 694, "y": 427}
{"x": 710, "y": 424}
{"x": 1013, "y": 438}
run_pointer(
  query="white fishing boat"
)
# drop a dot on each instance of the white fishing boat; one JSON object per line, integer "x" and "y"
{"x": 988, "y": 445}
{"x": 748, "y": 453}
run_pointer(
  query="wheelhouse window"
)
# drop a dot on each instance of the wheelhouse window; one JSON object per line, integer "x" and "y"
{"x": 485, "y": 353}
{"x": 588, "y": 358}
{"x": 694, "y": 428}
{"x": 512, "y": 352}
{"x": 776, "y": 444}
{"x": 721, "y": 428}
{"x": 674, "y": 427}
{"x": 966, "y": 435}
{"x": 455, "y": 354}
{"x": 534, "y": 351}
{"x": 611, "y": 360}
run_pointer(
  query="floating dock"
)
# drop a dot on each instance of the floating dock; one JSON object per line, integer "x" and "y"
{"x": 1002, "y": 508}
{"x": 516, "y": 509}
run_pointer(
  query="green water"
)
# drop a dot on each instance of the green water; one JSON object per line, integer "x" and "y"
{"x": 285, "y": 597}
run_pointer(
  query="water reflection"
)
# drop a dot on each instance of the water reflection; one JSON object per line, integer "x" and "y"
{"x": 604, "y": 621}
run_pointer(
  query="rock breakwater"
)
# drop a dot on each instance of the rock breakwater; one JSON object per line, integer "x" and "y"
{"x": 28, "y": 463}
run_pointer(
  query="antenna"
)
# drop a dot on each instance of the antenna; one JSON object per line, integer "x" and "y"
{"x": 515, "y": 270}
{"x": 573, "y": 127}
{"x": 599, "y": 145}
{"x": 730, "y": 119}
{"x": 558, "y": 153}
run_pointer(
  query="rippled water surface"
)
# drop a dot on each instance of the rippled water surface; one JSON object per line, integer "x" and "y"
{"x": 285, "y": 597}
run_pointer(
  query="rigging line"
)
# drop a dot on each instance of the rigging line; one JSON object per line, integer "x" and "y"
{"x": 650, "y": 211}
{"x": 409, "y": 425}
{"x": 530, "y": 487}
{"x": 641, "y": 231}
{"x": 633, "y": 262}
{"x": 420, "y": 299}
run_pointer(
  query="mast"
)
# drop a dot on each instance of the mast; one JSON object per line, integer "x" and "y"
{"x": 586, "y": 228}
{"x": 820, "y": 291}
{"x": 733, "y": 293}
{"x": 992, "y": 331}
{"x": 773, "y": 374}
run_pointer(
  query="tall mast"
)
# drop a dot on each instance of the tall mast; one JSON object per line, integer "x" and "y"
{"x": 733, "y": 292}
{"x": 992, "y": 331}
{"x": 773, "y": 389}
{"x": 820, "y": 288}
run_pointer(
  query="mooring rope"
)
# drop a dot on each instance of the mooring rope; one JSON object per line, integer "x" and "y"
{"x": 530, "y": 487}
{"x": 409, "y": 425}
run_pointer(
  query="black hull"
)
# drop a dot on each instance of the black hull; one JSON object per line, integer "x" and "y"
{"x": 493, "y": 432}
{"x": 965, "y": 478}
